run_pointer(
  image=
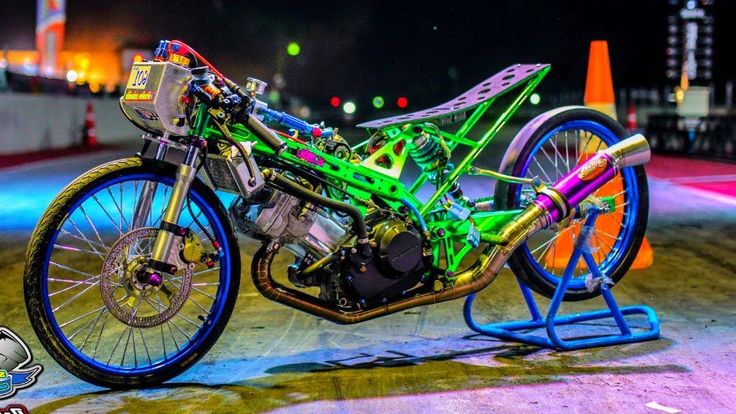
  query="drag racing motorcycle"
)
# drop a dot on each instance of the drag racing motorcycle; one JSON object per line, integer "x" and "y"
{"x": 133, "y": 271}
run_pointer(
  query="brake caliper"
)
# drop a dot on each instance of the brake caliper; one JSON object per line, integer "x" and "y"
{"x": 192, "y": 250}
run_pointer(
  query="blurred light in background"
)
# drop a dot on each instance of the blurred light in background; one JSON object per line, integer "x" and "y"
{"x": 274, "y": 96}
{"x": 71, "y": 75}
{"x": 535, "y": 99}
{"x": 378, "y": 102}
{"x": 335, "y": 102}
{"x": 402, "y": 102}
{"x": 293, "y": 49}
{"x": 349, "y": 107}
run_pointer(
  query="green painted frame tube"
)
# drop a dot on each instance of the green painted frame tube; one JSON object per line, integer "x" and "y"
{"x": 367, "y": 180}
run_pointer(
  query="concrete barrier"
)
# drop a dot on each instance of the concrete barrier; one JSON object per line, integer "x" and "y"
{"x": 41, "y": 122}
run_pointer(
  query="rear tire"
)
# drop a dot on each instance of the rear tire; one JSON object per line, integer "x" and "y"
{"x": 519, "y": 160}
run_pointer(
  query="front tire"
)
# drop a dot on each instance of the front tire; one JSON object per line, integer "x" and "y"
{"x": 63, "y": 267}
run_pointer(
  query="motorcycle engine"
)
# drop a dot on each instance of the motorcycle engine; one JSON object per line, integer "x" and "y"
{"x": 322, "y": 243}
{"x": 301, "y": 227}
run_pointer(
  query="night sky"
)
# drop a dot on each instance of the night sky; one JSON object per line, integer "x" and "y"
{"x": 364, "y": 48}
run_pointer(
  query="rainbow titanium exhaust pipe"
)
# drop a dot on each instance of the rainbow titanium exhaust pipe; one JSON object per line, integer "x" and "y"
{"x": 563, "y": 196}
{"x": 558, "y": 201}
{"x": 553, "y": 204}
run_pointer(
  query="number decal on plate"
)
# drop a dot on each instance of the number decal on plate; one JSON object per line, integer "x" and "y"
{"x": 138, "y": 77}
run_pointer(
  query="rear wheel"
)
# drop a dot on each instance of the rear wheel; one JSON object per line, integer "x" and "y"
{"x": 549, "y": 147}
{"x": 89, "y": 310}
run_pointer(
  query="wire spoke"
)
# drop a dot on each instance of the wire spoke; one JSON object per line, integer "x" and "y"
{"x": 84, "y": 238}
{"x": 163, "y": 206}
{"x": 559, "y": 233}
{"x": 120, "y": 338}
{"x": 587, "y": 142}
{"x": 606, "y": 234}
{"x": 94, "y": 229}
{"x": 567, "y": 154}
{"x": 103, "y": 312}
{"x": 122, "y": 219}
{"x": 99, "y": 336}
{"x": 198, "y": 305}
{"x": 554, "y": 163}
{"x": 73, "y": 281}
{"x": 74, "y": 249}
{"x": 549, "y": 180}
{"x": 75, "y": 297}
{"x": 202, "y": 292}
{"x": 74, "y": 285}
{"x": 125, "y": 348}
{"x": 606, "y": 244}
{"x": 205, "y": 271}
{"x": 104, "y": 210}
{"x": 79, "y": 272}
{"x": 70, "y": 337}
{"x": 143, "y": 340}
{"x": 136, "y": 199}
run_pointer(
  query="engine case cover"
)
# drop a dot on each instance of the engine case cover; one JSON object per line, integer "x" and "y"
{"x": 400, "y": 250}
{"x": 397, "y": 264}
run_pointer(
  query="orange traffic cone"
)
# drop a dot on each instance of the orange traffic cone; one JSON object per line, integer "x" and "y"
{"x": 599, "y": 83}
{"x": 89, "y": 136}
{"x": 599, "y": 96}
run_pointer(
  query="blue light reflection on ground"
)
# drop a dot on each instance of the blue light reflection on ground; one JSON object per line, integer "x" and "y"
{"x": 27, "y": 191}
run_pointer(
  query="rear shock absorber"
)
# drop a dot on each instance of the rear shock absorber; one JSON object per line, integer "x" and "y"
{"x": 428, "y": 153}
{"x": 433, "y": 156}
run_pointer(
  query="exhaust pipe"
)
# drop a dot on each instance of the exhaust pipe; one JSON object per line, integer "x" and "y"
{"x": 553, "y": 204}
{"x": 591, "y": 175}
{"x": 559, "y": 200}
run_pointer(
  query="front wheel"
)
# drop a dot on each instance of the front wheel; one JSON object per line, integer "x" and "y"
{"x": 90, "y": 310}
{"x": 549, "y": 147}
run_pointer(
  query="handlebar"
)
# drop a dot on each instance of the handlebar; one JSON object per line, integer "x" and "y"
{"x": 240, "y": 103}
{"x": 292, "y": 122}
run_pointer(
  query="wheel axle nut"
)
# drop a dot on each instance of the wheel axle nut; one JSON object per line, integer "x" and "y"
{"x": 155, "y": 279}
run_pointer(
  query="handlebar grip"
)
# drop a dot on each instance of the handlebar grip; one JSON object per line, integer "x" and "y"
{"x": 264, "y": 133}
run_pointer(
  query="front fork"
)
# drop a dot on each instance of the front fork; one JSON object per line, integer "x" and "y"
{"x": 185, "y": 176}
{"x": 145, "y": 201}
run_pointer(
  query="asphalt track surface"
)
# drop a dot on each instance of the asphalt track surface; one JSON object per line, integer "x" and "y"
{"x": 273, "y": 358}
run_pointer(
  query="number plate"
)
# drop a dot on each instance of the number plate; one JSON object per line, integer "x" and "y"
{"x": 138, "y": 77}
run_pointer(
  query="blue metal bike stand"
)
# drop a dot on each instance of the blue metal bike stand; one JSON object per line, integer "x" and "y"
{"x": 510, "y": 330}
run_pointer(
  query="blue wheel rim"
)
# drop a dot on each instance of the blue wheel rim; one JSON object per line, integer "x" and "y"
{"x": 217, "y": 307}
{"x": 626, "y": 236}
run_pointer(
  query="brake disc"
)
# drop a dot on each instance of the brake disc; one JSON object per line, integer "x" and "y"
{"x": 134, "y": 302}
